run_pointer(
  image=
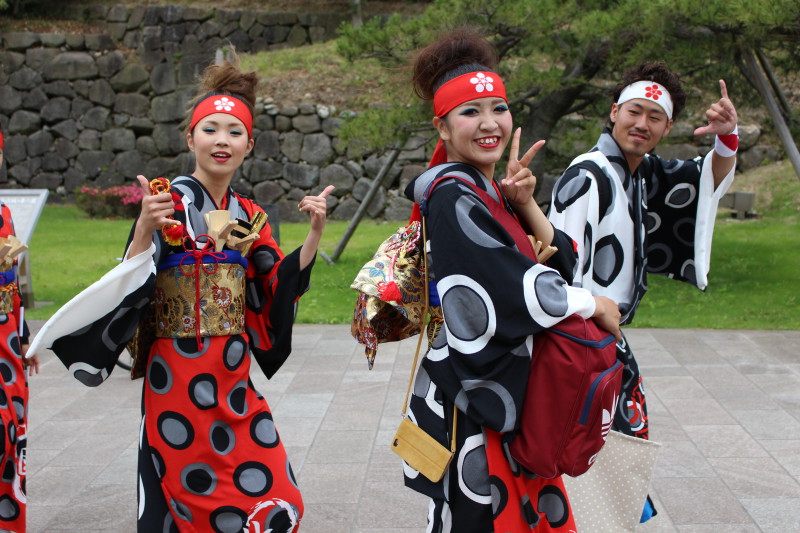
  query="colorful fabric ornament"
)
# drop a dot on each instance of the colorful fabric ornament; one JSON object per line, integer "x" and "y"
{"x": 173, "y": 233}
{"x": 391, "y": 287}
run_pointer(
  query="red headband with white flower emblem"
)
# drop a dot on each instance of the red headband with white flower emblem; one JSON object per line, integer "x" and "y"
{"x": 462, "y": 89}
{"x": 223, "y": 104}
{"x": 648, "y": 90}
{"x": 467, "y": 87}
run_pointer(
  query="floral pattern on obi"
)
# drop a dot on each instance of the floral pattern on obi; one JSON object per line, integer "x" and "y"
{"x": 7, "y": 298}
{"x": 8, "y": 284}
{"x": 222, "y": 302}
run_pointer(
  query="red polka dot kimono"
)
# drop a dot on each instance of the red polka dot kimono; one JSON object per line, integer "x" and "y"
{"x": 210, "y": 457}
{"x": 13, "y": 395}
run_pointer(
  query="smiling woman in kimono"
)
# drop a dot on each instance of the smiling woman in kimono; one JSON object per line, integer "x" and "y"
{"x": 210, "y": 458}
{"x": 495, "y": 297}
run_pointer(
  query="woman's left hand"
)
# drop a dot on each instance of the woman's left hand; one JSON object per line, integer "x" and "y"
{"x": 519, "y": 183}
{"x": 318, "y": 207}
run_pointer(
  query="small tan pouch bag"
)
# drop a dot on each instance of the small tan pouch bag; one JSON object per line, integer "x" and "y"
{"x": 421, "y": 451}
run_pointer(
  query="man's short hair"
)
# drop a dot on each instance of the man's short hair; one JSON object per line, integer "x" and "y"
{"x": 659, "y": 73}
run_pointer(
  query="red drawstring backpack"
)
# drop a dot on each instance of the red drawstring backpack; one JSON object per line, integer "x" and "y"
{"x": 572, "y": 394}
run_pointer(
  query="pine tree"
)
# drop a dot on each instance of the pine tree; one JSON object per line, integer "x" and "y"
{"x": 561, "y": 57}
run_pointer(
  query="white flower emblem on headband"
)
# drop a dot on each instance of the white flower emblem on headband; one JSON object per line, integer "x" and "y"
{"x": 223, "y": 104}
{"x": 482, "y": 82}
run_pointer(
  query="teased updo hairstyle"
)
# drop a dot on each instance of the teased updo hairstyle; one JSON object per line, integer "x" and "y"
{"x": 460, "y": 52}
{"x": 659, "y": 73}
{"x": 226, "y": 79}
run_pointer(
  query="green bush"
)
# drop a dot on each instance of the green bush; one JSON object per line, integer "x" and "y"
{"x": 123, "y": 201}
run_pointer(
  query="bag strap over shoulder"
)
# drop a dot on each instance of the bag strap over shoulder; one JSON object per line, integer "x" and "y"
{"x": 423, "y": 328}
{"x": 424, "y": 315}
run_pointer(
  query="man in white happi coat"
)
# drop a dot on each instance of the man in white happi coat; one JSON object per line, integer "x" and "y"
{"x": 630, "y": 212}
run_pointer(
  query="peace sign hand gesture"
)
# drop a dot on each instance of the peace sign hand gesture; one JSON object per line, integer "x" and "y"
{"x": 722, "y": 117}
{"x": 519, "y": 183}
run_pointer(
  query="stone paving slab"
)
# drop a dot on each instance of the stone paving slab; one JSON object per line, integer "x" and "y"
{"x": 725, "y": 404}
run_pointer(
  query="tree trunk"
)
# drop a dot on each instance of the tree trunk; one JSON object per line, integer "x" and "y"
{"x": 543, "y": 116}
{"x": 542, "y": 119}
{"x": 358, "y": 13}
{"x": 773, "y": 81}
{"x": 774, "y": 109}
{"x": 362, "y": 209}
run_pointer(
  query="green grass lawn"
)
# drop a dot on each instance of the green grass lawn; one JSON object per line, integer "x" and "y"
{"x": 753, "y": 283}
{"x": 331, "y": 300}
{"x": 68, "y": 252}
{"x": 755, "y": 270}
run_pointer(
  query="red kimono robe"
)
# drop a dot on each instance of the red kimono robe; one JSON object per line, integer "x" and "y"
{"x": 210, "y": 457}
{"x": 13, "y": 400}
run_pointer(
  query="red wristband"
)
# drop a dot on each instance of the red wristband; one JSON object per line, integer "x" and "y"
{"x": 727, "y": 145}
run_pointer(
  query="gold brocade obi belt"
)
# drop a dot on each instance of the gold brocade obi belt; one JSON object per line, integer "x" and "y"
{"x": 200, "y": 294}
{"x": 8, "y": 286}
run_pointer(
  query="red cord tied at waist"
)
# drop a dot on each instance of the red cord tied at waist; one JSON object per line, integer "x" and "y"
{"x": 209, "y": 268}
{"x": 200, "y": 291}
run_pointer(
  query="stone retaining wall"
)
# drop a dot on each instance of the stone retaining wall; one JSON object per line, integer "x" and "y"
{"x": 98, "y": 109}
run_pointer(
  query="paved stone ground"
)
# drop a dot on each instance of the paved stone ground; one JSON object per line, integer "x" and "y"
{"x": 725, "y": 404}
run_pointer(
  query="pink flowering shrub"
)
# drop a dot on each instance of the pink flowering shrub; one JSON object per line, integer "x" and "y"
{"x": 122, "y": 201}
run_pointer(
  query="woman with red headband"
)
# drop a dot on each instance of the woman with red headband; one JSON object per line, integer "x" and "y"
{"x": 204, "y": 276}
{"x": 15, "y": 368}
{"x": 494, "y": 298}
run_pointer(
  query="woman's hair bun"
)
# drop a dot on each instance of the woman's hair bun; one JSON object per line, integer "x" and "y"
{"x": 228, "y": 77}
{"x": 225, "y": 78}
{"x": 459, "y": 52}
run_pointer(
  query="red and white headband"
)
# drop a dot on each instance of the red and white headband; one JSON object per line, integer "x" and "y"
{"x": 223, "y": 104}
{"x": 467, "y": 87}
{"x": 648, "y": 90}
{"x": 462, "y": 89}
